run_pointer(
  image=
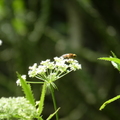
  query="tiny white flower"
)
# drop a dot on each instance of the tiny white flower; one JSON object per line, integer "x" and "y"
{"x": 63, "y": 67}
{"x": 75, "y": 66}
{"x": 32, "y": 71}
{"x": 45, "y": 62}
{"x": 33, "y": 67}
{"x": 56, "y": 58}
{"x": 51, "y": 65}
{"x": 41, "y": 69}
{"x": 18, "y": 81}
{"x": 60, "y": 63}
{"x": 0, "y": 42}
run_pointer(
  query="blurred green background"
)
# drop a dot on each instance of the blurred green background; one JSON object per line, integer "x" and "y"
{"x": 36, "y": 30}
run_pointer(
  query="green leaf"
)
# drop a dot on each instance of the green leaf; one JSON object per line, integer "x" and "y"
{"x": 116, "y": 60}
{"x": 109, "y": 101}
{"x": 116, "y": 65}
{"x": 52, "y": 114}
{"x": 27, "y": 90}
{"x": 113, "y": 54}
{"x": 42, "y": 98}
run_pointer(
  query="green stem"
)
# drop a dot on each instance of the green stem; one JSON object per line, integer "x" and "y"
{"x": 35, "y": 82}
{"x": 54, "y": 102}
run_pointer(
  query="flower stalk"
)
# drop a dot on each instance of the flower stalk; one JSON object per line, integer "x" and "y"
{"x": 54, "y": 101}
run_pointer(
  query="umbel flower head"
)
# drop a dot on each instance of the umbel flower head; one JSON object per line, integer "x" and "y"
{"x": 18, "y": 107}
{"x": 49, "y": 71}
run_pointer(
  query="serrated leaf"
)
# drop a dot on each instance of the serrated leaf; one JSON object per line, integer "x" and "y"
{"x": 42, "y": 98}
{"x": 27, "y": 90}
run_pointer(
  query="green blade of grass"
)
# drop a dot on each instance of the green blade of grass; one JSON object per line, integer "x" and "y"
{"x": 52, "y": 114}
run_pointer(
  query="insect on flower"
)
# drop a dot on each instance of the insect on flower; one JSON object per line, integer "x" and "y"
{"x": 69, "y": 55}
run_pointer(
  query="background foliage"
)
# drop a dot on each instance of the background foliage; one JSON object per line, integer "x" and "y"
{"x": 36, "y": 30}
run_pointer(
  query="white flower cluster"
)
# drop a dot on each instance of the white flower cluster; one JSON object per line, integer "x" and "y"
{"x": 51, "y": 71}
{"x": 16, "y": 108}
